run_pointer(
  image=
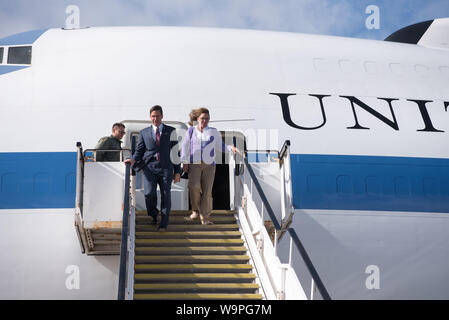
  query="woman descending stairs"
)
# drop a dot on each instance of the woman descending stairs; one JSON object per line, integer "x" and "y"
{"x": 191, "y": 260}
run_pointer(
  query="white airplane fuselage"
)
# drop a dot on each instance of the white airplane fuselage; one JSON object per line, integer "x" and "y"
{"x": 367, "y": 120}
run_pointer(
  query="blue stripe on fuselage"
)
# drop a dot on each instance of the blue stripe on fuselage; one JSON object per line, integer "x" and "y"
{"x": 47, "y": 180}
{"x": 28, "y": 37}
{"x": 7, "y": 69}
{"x": 37, "y": 180}
{"x": 370, "y": 183}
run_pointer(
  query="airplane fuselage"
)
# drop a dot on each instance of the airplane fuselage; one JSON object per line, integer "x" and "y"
{"x": 367, "y": 120}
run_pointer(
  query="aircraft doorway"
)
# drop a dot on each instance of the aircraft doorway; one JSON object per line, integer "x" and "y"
{"x": 221, "y": 192}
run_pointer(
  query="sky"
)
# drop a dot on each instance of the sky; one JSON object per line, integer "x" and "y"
{"x": 345, "y": 18}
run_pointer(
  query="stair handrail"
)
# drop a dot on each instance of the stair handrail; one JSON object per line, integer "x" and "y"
{"x": 124, "y": 240}
{"x": 132, "y": 227}
{"x": 80, "y": 177}
{"x": 316, "y": 280}
{"x": 79, "y": 197}
{"x": 283, "y": 152}
{"x": 94, "y": 151}
{"x": 285, "y": 188}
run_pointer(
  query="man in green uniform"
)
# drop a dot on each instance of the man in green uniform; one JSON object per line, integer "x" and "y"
{"x": 113, "y": 142}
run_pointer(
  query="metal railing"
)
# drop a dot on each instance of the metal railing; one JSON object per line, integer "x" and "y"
{"x": 126, "y": 273}
{"x": 283, "y": 152}
{"x": 79, "y": 177}
{"x": 103, "y": 152}
{"x": 124, "y": 241}
{"x": 280, "y": 228}
{"x": 79, "y": 196}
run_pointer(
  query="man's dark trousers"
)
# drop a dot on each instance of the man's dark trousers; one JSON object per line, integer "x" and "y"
{"x": 155, "y": 176}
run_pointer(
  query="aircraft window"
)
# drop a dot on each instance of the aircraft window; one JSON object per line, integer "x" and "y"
{"x": 421, "y": 70}
{"x": 396, "y": 69}
{"x": 370, "y": 67}
{"x": 346, "y": 66}
{"x": 19, "y": 55}
{"x": 1, "y": 55}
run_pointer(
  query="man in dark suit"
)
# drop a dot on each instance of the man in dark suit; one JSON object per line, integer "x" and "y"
{"x": 152, "y": 156}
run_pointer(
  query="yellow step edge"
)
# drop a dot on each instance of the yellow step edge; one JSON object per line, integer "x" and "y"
{"x": 198, "y": 276}
{"x": 222, "y": 296}
{"x": 220, "y": 211}
{"x": 171, "y": 241}
{"x": 188, "y": 233}
{"x": 193, "y": 266}
{"x": 173, "y": 219}
{"x": 193, "y": 257}
{"x": 190, "y": 248}
{"x": 198, "y": 227}
{"x": 164, "y": 286}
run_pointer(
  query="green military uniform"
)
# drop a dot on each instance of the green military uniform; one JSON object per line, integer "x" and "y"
{"x": 108, "y": 143}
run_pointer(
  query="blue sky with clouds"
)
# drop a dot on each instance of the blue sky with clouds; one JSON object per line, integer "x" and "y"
{"x": 330, "y": 17}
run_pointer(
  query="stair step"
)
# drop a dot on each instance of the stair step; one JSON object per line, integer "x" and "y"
{"x": 107, "y": 236}
{"x": 188, "y": 242}
{"x": 106, "y": 231}
{"x": 196, "y": 287}
{"x": 184, "y": 220}
{"x": 107, "y": 242}
{"x": 194, "y": 277}
{"x": 191, "y": 227}
{"x": 190, "y": 260}
{"x": 189, "y": 212}
{"x": 193, "y": 267}
{"x": 196, "y": 296}
{"x": 190, "y": 250}
{"x": 188, "y": 234}
{"x": 107, "y": 251}
{"x": 193, "y": 259}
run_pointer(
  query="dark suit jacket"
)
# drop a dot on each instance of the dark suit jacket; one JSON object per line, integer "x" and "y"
{"x": 147, "y": 149}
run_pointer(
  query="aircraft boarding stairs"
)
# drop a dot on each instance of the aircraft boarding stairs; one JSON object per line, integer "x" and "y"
{"x": 191, "y": 260}
{"x": 234, "y": 258}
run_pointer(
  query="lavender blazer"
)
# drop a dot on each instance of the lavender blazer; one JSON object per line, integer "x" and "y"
{"x": 194, "y": 151}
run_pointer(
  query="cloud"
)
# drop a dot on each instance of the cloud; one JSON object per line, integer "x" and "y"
{"x": 330, "y": 17}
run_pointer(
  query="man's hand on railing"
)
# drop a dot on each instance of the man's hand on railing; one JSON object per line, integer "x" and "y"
{"x": 130, "y": 161}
